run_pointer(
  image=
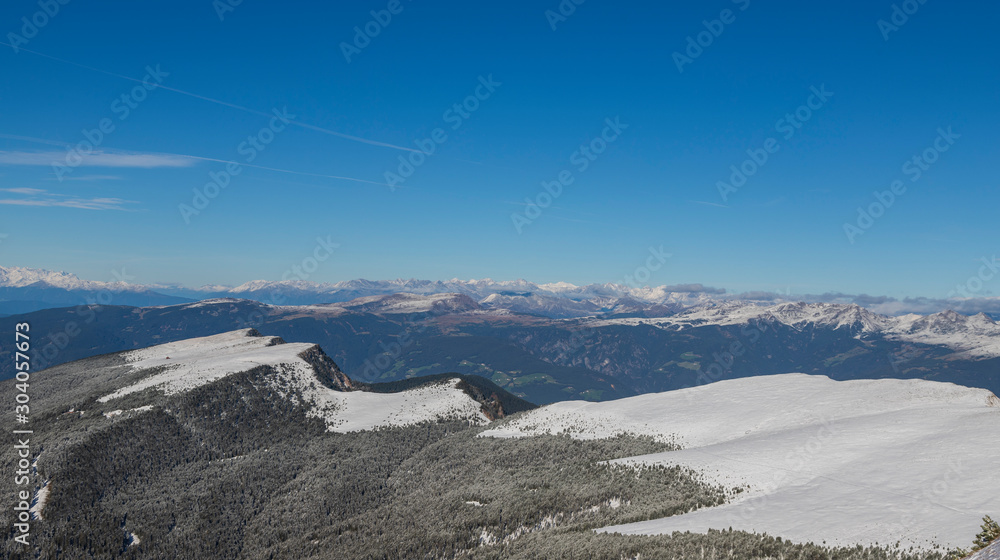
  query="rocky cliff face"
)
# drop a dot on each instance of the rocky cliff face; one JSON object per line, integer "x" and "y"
{"x": 327, "y": 371}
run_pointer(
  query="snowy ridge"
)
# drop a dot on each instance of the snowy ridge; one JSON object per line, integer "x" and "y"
{"x": 195, "y": 362}
{"x": 793, "y": 314}
{"x": 17, "y": 277}
{"x": 553, "y": 299}
{"x": 852, "y": 462}
{"x": 477, "y": 289}
{"x": 358, "y": 410}
{"x": 188, "y": 364}
{"x": 974, "y": 337}
{"x": 411, "y": 303}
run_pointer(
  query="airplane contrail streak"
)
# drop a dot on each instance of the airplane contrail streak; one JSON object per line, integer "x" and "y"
{"x": 220, "y": 102}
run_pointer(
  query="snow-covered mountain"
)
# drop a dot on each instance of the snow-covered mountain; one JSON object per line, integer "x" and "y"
{"x": 977, "y": 336}
{"x": 18, "y": 277}
{"x": 218, "y": 426}
{"x": 302, "y": 372}
{"x": 671, "y": 307}
{"x": 556, "y": 300}
{"x": 25, "y": 289}
{"x": 238, "y": 418}
{"x": 29, "y": 289}
{"x": 561, "y": 299}
{"x": 851, "y": 462}
{"x": 793, "y": 314}
{"x": 412, "y": 303}
{"x": 541, "y": 303}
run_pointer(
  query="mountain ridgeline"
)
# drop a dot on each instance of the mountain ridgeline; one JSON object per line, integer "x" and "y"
{"x": 543, "y": 360}
{"x": 245, "y": 446}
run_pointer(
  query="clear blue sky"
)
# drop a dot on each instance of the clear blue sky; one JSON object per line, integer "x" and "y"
{"x": 655, "y": 184}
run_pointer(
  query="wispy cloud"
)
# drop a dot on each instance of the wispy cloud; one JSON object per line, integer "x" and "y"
{"x": 41, "y": 197}
{"x": 94, "y": 178}
{"x": 97, "y": 159}
{"x": 24, "y": 190}
{"x": 709, "y": 203}
{"x": 110, "y": 157}
{"x": 773, "y": 202}
{"x": 694, "y": 288}
{"x": 525, "y": 204}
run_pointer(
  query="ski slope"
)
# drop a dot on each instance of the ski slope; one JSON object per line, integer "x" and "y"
{"x": 851, "y": 462}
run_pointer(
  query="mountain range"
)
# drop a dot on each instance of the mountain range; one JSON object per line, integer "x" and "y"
{"x": 240, "y": 445}
{"x": 27, "y": 289}
{"x": 541, "y": 359}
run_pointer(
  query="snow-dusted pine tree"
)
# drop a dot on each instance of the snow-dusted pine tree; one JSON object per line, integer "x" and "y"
{"x": 990, "y": 532}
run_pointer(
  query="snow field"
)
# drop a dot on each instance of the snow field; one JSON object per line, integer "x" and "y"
{"x": 853, "y": 462}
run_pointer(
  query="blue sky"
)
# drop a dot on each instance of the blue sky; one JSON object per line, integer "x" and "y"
{"x": 656, "y": 182}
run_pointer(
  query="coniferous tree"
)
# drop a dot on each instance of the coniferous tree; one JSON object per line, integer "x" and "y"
{"x": 990, "y": 532}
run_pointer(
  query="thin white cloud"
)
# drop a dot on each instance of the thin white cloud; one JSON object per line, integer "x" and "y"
{"x": 170, "y": 160}
{"x": 96, "y": 159}
{"x": 94, "y": 178}
{"x": 24, "y": 190}
{"x": 709, "y": 203}
{"x": 43, "y": 198}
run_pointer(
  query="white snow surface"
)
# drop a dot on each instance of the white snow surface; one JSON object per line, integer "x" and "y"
{"x": 119, "y": 411}
{"x": 846, "y": 462}
{"x": 195, "y": 362}
{"x": 38, "y": 502}
{"x": 354, "y": 411}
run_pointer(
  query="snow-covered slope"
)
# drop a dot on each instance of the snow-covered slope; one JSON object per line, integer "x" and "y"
{"x": 852, "y": 462}
{"x": 974, "y": 337}
{"x": 793, "y": 314}
{"x": 191, "y": 363}
{"x": 991, "y": 552}
{"x": 18, "y": 277}
{"x": 182, "y": 366}
{"x": 357, "y": 410}
{"x": 412, "y": 303}
{"x": 540, "y": 303}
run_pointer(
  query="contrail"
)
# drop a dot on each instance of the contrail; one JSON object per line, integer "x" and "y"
{"x": 242, "y": 164}
{"x": 219, "y": 102}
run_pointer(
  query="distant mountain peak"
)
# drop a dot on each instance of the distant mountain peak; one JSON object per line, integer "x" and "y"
{"x": 18, "y": 277}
